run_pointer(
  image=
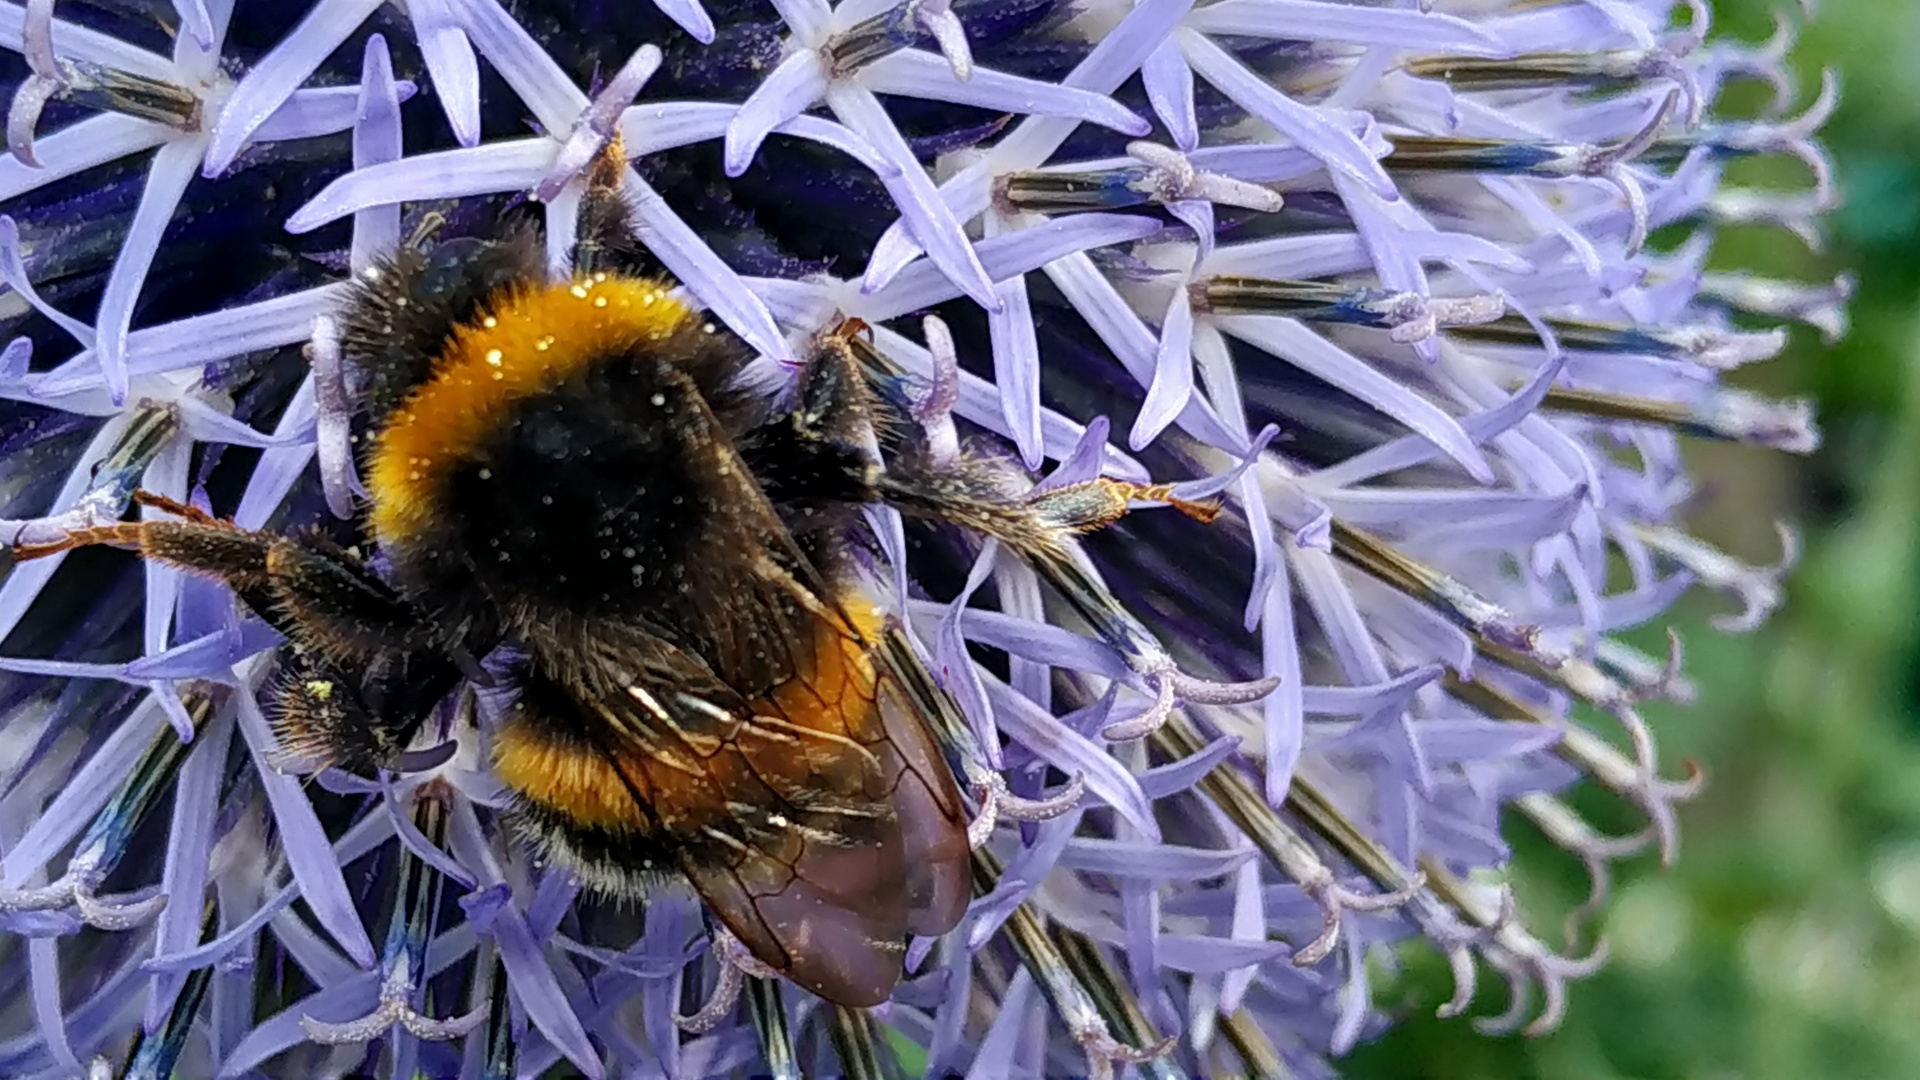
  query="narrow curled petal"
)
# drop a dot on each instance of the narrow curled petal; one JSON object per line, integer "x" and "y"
{"x": 690, "y": 16}
{"x": 791, "y": 89}
{"x": 1169, "y": 84}
{"x": 913, "y": 73}
{"x": 450, "y": 60}
{"x": 259, "y": 94}
{"x": 1172, "y": 383}
{"x": 1313, "y": 132}
{"x": 309, "y": 854}
{"x": 1072, "y": 753}
{"x": 172, "y": 170}
{"x": 376, "y": 138}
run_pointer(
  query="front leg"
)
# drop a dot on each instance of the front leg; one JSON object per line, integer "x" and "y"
{"x": 364, "y": 668}
{"x": 319, "y": 595}
{"x": 820, "y": 452}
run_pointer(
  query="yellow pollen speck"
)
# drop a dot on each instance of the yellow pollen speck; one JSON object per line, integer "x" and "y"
{"x": 494, "y": 356}
{"x": 579, "y": 291}
{"x": 489, "y": 322}
{"x": 599, "y": 301}
{"x": 319, "y": 689}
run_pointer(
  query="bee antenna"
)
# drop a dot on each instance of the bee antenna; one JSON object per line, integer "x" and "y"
{"x": 426, "y": 229}
{"x": 427, "y": 759}
{"x": 470, "y": 667}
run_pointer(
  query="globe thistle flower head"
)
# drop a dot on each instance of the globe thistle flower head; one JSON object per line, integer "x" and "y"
{"x": 1370, "y": 287}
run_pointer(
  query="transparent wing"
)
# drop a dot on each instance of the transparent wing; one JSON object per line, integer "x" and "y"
{"x": 818, "y": 821}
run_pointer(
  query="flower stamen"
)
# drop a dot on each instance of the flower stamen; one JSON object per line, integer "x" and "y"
{"x": 106, "y": 841}
{"x": 1822, "y": 307}
{"x": 1710, "y": 346}
{"x": 416, "y": 901}
{"x": 856, "y": 1045}
{"x": 996, "y": 801}
{"x": 1721, "y": 412}
{"x": 1646, "y": 678}
{"x": 87, "y": 84}
{"x": 1444, "y": 593}
{"x": 75, "y": 890}
{"x": 1756, "y": 587}
{"x": 1559, "y": 823}
{"x": 766, "y": 1004}
{"x": 1620, "y": 69}
{"x": 896, "y": 29}
{"x": 1162, "y": 177}
{"x": 1457, "y": 943}
{"x": 736, "y": 966}
{"x": 1075, "y": 976}
{"x": 1522, "y": 959}
{"x": 1408, "y": 317}
{"x": 394, "y": 1010}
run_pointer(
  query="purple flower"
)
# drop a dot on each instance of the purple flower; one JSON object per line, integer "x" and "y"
{"x": 1377, "y": 277}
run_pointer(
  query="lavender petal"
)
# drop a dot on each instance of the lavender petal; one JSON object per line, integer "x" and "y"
{"x": 309, "y": 853}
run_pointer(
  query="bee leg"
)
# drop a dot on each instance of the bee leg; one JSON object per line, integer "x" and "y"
{"x": 1097, "y": 503}
{"x": 342, "y": 607}
{"x": 306, "y": 588}
{"x": 357, "y": 718}
{"x": 836, "y": 400}
{"x": 969, "y": 493}
{"x": 201, "y": 545}
{"x": 1043, "y": 529}
{"x": 820, "y": 451}
{"x": 604, "y": 241}
{"x": 366, "y": 670}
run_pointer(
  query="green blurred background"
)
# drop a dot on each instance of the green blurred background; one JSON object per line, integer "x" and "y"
{"x": 1785, "y": 945}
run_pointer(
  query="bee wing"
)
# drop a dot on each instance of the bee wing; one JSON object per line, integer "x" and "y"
{"x": 857, "y": 870}
{"x": 806, "y": 920}
{"x": 932, "y": 822}
{"x": 818, "y": 823}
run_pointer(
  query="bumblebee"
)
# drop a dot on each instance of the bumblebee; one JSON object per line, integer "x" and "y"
{"x": 568, "y": 473}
